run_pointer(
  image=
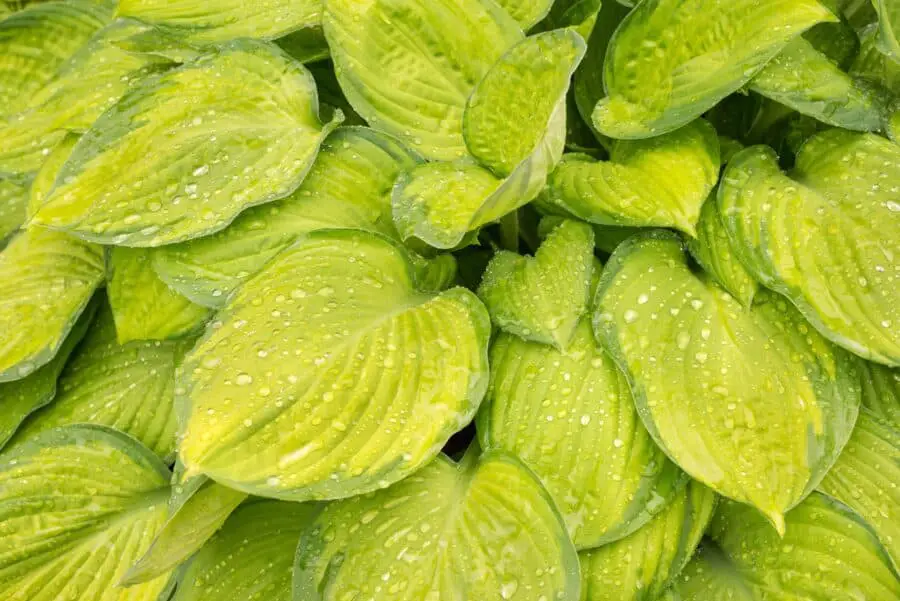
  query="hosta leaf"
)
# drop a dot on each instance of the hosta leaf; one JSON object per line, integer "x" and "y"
{"x": 827, "y": 554}
{"x": 46, "y": 281}
{"x": 349, "y": 186}
{"x": 659, "y": 77}
{"x": 205, "y": 22}
{"x": 183, "y": 153}
{"x": 307, "y": 45}
{"x": 129, "y": 387}
{"x": 483, "y": 530}
{"x": 251, "y": 557}
{"x": 526, "y": 12}
{"x": 349, "y": 377}
{"x": 865, "y": 477}
{"x": 641, "y": 566}
{"x": 44, "y": 179}
{"x": 569, "y": 416}
{"x": 144, "y": 307}
{"x": 881, "y": 391}
{"x": 77, "y": 506}
{"x": 13, "y": 202}
{"x": 408, "y": 66}
{"x": 713, "y": 251}
{"x": 580, "y": 15}
{"x": 542, "y": 298}
{"x": 889, "y": 26}
{"x": 662, "y": 181}
{"x": 873, "y": 66}
{"x": 709, "y": 576}
{"x": 825, "y": 236}
{"x": 752, "y": 403}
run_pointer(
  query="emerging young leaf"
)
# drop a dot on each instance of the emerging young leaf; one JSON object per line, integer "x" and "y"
{"x": 672, "y": 60}
{"x": 409, "y": 66}
{"x": 889, "y": 26}
{"x": 709, "y": 576}
{"x": 826, "y": 235}
{"x": 752, "y": 403}
{"x": 526, "y": 12}
{"x": 77, "y": 506}
{"x": 251, "y": 557}
{"x": 483, "y": 530}
{"x": 662, "y": 181}
{"x": 349, "y": 186}
{"x": 827, "y": 554}
{"x": 641, "y": 566}
{"x": 183, "y": 153}
{"x": 46, "y": 281}
{"x": 881, "y": 391}
{"x": 349, "y": 378}
{"x": 542, "y": 298}
{"x": 144, "y": 307}
{"x": 570, "y": 417}
{"x": 13, "y": 201}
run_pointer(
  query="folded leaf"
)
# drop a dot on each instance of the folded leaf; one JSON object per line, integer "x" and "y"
{"x": 542, "y": 298}
{"x": 182, "y": 154}
{"x": 752, "y": 403}
{"x": 408, "y": 66}
{"x": 13, "y": 201}
{"x": 827, "y": 554}
{"x": 709, "y": 576}
{"x": 642, "y": 566}
{"x": 826, "y": 235}
{"x": 483, "y": 530}
{"x": 889, "y": 26}
{"x": 349, "y": 186}
{"x": 881, "y": 391}
{"x": 526, "y": 12}
{"x": 672, "y": 60}
{"x": 349, "y": 377}
{"x": 662, "y": 181}
{"x": 77, "y": 506}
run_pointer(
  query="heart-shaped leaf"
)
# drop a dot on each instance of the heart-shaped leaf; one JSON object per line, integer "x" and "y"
{"x": 662, "y": 181}
{"x": 349, "y": 377}
{"x": 825, "y": 236}
{"x": 881, "y": 391}
{"x": 542, "y": 298}
{"x": 13, "y": 202}
{"x": 752, "y": 403}
{"x": 889, "y": 26}
{"x": 482, "y": 529}
{"x": 159, "y": 167}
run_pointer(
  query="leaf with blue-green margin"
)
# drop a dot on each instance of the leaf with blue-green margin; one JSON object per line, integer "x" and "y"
{"x": 77, "y": 506}
{"x": 828, "y": 553}
{"x": 709, "y": 576}
{"x": 13, "y": 203}
{"x": 866, "y": 478}
{"x": 889, "y": 27}
{"x": 825, "y": 235}
{"x": 35, "y": 42}
{"x": 542, "y": 298}
{"x": 881, "y": 391}
{"x": 482, "y": 529}
{"x": 641, "y": 566}
{"x": 753, "y": 403}
{"x": 409, "y": 66}
{"x": 712, "y": 250}
{"x": 349, "y": 186}
{"x": 183, "y": 153}
{"x": 143, "y": 306}
{"x": 46, "y": 281}
{"x": 658, "y": 77}
{"x": 662, "y": 181}
{"x": 569, "y": 415}
{"x": 350, "y": 377}
{"x": 527, "y": 13}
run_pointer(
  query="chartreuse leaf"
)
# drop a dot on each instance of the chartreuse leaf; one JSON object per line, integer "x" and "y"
{"x": 889, "y": 27}
{"x": 205, "y": 22}
{"x": 349, "y": 378}
{"x": 662, "y": 181}
{"x": 709, "y": 576}
{"x": 641, "y": 566}
{"x": 13, "y": 201}
{"x": 482, "y": 529}
{"x": 129, "y": 387}
{"x": 801, "y": 234}
{"x": 517, "y": 145}
{"x": 581, "y": 15}
{"x": 865, "y": 477}
{"x": 542, "y": 298}
{"x": 870, "y": 64}
{"x": 713, "y": 251}
{"x": 827, "y": 553}
{"x": 526, "y": 12}
{"x": 35, "y": 42}
{"x": 752, "y": 403}
{"x": 46, "y": 281}
{"x": 659, "y": 78}
{"x": 44, "y": 179}
{"x": 251, "y": 557}
{"x": 569, "y": 415}
{"x": 349, "y": 186}
{"x": 881, "y": 391}
{"x": 183, "y": 153}
{"x": 408, "y": 66}
{"x": 143, "y": 306}
{"x": 77, "y": 506}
